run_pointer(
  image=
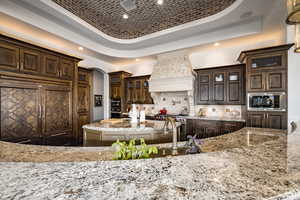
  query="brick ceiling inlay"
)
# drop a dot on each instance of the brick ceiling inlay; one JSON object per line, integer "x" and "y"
{"x": 147, "y": 18}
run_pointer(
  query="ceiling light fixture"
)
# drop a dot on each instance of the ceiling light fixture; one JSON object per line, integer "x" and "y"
{"x": 160, "y": 2}
{"x": 125, "y": 16}
{"x": 293, "y": 12}
{"x": 80, "y": 48}
{"x": 216, "y": 44}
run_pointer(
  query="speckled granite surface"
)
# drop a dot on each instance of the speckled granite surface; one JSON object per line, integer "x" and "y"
{"x": 253, "y": 170}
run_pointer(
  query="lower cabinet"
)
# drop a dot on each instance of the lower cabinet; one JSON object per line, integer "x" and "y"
{"x": 211, "y": 128}
{"x": 274, "y": 120}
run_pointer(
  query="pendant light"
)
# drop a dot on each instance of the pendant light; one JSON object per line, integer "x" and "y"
{"x": 293, "y": 7}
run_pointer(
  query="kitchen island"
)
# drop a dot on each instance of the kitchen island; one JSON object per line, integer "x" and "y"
{"x": 106, "y": 132}
{"x": 247, "y": 164}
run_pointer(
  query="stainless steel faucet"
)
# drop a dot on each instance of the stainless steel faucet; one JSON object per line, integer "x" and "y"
{"x": 170, "y": 120}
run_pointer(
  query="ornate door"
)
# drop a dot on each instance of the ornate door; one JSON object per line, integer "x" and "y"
{"x": 20, "y": 111}
{"x": 57, "y": 110}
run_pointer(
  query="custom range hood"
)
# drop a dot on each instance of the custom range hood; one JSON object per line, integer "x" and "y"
{"x": 174, "y": 77}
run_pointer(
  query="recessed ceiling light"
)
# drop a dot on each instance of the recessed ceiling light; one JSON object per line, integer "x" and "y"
{"x": 216, "y": 44}
{"x": 160, "y": 2}
{"x": 125, "y": 16}
{"x": 137, "y": 59}
{"x": 80, "y": 48}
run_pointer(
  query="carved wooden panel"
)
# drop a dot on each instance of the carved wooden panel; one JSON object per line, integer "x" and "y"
{"x": 19, "y": 113}
{"x": 83, "y": 98}
{"x": 83, "y": 76}
{"x": 66, "y": 69}
{"x": 51, "y": 65}
{"x": 57, "y": 110}
{"x": 83, "y": 119}
{"x": 9, "y": 57}
{"x": 30, "y": 61}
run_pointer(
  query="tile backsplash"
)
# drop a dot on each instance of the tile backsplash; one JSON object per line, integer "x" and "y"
{"x": 220, "y": 111}
{"x": 224, "y": 111}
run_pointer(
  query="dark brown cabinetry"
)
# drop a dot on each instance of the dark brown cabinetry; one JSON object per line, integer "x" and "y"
{"x": 9, "y": 56}
{"x": 266, "y": 72}
{"x": 117, "y": 88}
{"x": 211, "y": 128}
{"x": 84, "y": 100}
{"x": 38, "y": 94}
{"x": 274, "y": 120}
{"x": 30, "y": 61}
{"x": 137, "y": 90}
{"x": 221, "y": 85}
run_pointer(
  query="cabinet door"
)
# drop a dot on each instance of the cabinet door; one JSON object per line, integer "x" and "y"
{"x": 83, "y": 76}
{"x": 83, "y": 119}
{"x": 30, "y": 61}
{"x": 57, "y": 111}
{"x": 83, "y": 98}
{"x": 115, "y": 92}
{"x": 51, "y": 65}
{"x": 20, "y": 112}
{"x": 235, "y": 90}
{"x": 147, "y": 95}
{"x": 219, "y": 88}
{"x": 9, "y": 57}
{"x": 66, "y": 68}
{"x": 129, "y": 91}
{"x": 271, "y": 61}
{"x": 203, "y": 88}
{"x": 276, "y": 80}
{"x": 256, "y": 119}
{"x": 256, "y": 82}
{"x": 276, "y": 120}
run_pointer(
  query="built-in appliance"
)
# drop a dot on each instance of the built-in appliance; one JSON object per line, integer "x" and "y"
{"x": 116, "y": 108}
{"x": 275, "y": 101}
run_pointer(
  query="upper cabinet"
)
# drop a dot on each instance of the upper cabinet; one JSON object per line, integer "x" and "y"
{"x": 220, "y": 86}
{"x": 30, "y": 61}
{"x": 25, "y": 58}
{"x": 266, "y": 68}
{"x": 9, "y": 56}
{"x": 137, "y": 90}
{"x": 67, "y": 67}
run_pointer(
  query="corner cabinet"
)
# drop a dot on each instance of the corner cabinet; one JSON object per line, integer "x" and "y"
{"x": 220, "y": 85}
{"x": 38, "y": 94}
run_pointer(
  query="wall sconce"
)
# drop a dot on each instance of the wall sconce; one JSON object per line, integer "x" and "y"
{"x": 293, "y": 7}
{"x": 297, "y": 38}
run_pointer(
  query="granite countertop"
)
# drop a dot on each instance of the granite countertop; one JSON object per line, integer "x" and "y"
{"x": 247, "y": 164}
{"x": 211, "y": 118}
{"x": 125, "y": 125}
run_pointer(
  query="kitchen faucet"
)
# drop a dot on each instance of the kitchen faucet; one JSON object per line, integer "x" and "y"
{"x": 170, "y": 120}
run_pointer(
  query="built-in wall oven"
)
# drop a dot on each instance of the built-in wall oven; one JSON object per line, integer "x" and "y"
{"x": 273, "y": 101}
{"x": 115, "y": 108}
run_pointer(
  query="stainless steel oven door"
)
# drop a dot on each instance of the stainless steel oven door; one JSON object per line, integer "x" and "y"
{"x": 282, "y": 101}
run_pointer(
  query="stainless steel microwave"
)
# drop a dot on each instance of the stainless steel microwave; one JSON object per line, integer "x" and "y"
{"x": 273, "y": 101}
